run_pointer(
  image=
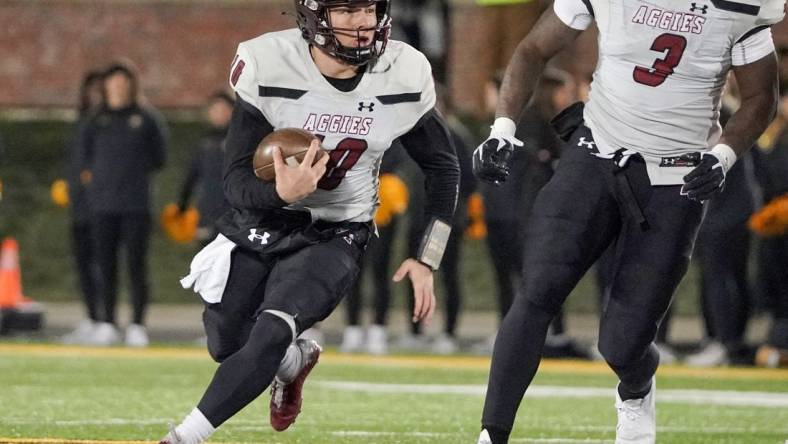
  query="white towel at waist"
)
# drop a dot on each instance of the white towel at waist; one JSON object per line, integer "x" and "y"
{"x": 209, "y": 270}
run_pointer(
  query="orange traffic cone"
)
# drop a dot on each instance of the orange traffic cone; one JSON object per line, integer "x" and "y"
{"x": 10, "y": 275}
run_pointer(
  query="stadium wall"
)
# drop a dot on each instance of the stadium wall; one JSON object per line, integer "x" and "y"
{"x": 184, "y": 47}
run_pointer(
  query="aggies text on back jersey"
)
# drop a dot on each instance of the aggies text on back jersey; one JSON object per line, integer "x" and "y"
{"x": 661, "y": 70}
{"x": 276, "y": 74}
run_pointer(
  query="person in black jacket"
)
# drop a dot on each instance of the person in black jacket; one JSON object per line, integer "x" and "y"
{"x": 81, "y": 234}
{"x": 508, "y": 205}
{"x": 446, "y": 342}
{"x": 124, "y": 143}
{"x": 771, "y": 169}
{"x": 205, "y": 170}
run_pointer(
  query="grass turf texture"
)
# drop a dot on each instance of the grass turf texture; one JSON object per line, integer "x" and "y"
{"x": 51, "y": 392}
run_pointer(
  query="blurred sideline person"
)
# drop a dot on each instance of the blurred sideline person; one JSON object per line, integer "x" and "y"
{"x": 377, "y": 261}
{"x": 205, "y": 169}
{"x": 642, "y": 157}
{"x": 446, "y": 342}
{"x": 771, "y": 166}
{"x": 124, "y": 143}
{"x": 508, "y": 205}
{"x": 83, "y": 247}
{"x": 722, "y": 252}
{"x": 425, "y": 24}
{"x": 289, "y": 251}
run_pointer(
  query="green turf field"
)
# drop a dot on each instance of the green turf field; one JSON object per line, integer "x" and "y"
{"x": 58, "y": 393}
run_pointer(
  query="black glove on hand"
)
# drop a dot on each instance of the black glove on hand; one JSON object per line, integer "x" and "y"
{"x": 707, "y": 180}
{"x": 491, "y": 158}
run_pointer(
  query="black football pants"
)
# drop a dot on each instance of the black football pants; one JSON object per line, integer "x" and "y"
{"x": 307, "y": 283}
{"x": 131, "y": 230}
{"x": 87, "y": 267}
{"x": 586, "y": 206}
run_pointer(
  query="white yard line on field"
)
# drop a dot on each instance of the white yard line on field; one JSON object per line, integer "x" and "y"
{"x": 705, "y": 397}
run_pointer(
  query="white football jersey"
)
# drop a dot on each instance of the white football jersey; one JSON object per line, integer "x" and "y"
{"x": 276, "y": 74}
{"x": 661, "y": 70}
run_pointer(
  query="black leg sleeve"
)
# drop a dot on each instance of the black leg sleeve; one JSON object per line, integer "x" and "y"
{"x": 516, "y": 356}
{"x": 245, "y": 375}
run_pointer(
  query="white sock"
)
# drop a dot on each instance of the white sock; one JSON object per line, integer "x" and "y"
{"x": 195, "y": 428}
{"x": 291, "y": 364}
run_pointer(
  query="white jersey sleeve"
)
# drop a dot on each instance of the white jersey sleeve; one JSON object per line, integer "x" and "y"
{"x": 574, "y": 13}
{"x": 771, "y": 12}
{"x": 752, "y": 48}
{"x": 243, "y": 75}
{"x": 414, "y": 79}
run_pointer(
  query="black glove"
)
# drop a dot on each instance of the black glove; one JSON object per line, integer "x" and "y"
{"x": 707, "y": 180}
{"x": 491, "y": 158}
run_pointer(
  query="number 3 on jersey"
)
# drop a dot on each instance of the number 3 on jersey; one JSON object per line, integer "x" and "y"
{"x": 340, "y": 160}
{"x": 662, "y": 68}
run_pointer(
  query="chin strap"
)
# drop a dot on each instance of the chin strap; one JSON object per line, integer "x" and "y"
{"x": 436, "y": 236}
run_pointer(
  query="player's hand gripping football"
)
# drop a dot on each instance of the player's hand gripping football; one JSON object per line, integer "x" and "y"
{"x": 423, "y": 290}
{"x": 296, "y": 183}
{"x": 707, "y": 180}
{"x": 491, "y": 158}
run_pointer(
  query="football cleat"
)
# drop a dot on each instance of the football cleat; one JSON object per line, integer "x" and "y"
{"x": 286, "y": 398}
{"x": 637, "y": 419}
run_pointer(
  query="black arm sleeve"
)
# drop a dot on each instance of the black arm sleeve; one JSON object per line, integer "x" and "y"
{"x": 430, "y": 145}
{"x": 242, "y": 188}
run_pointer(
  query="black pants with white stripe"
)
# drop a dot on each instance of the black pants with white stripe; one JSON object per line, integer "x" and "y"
{"x": 586, "y": 207}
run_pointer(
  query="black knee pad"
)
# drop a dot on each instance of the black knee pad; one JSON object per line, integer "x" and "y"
{"x": 270, "y": 333}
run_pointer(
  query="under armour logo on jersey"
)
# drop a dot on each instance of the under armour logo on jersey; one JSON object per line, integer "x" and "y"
{"x": 702, "y": 9}
{"x": 370, "y": 107}
{"x": 349, "y": 238}
{"x": 589, "y": 144}
{"x": 253, "y": 236}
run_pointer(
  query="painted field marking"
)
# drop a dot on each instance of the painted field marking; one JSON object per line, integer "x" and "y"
{"x": 704, "y": 397}
{"x": 407, "y": 361}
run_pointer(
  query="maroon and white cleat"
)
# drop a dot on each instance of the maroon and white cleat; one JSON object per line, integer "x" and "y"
{"x": 286, "y": 398}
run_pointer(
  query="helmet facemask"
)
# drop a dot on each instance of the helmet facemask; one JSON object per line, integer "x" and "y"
{"x": 314, "y": 21}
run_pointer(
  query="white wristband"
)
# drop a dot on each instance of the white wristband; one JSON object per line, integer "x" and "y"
{"x": 726, "y": 155}
{"x": 503, "y": 126}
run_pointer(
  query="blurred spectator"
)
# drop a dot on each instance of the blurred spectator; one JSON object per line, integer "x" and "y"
{"x": 507, "y": 206}
{"x": 2, "y": 154}
{"x": 426, "y": 25}
{"x": 503, "y": 25}
{"x": 771, "y": 166}
{"x": 124, "y": 143}
{"x": 446, "y": 342}
{"x": 377, "y": 261}
{"x": 205, "y": 171}
{"x": 77, "y": 176}
{"x": 722, "y": 250}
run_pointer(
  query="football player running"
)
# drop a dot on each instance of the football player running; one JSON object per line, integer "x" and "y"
{"x": 640, "y": 161}
{"x": 288, "y": 251}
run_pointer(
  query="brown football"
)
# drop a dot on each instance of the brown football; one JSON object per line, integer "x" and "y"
{"x": 294, "y": 143}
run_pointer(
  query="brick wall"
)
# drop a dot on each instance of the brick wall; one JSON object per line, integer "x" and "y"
{"x": 184, "y": 47}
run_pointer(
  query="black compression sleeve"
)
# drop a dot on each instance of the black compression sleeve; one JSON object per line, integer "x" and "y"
{"x": 430, "y": 145}
{"x": 241, "y": 187}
